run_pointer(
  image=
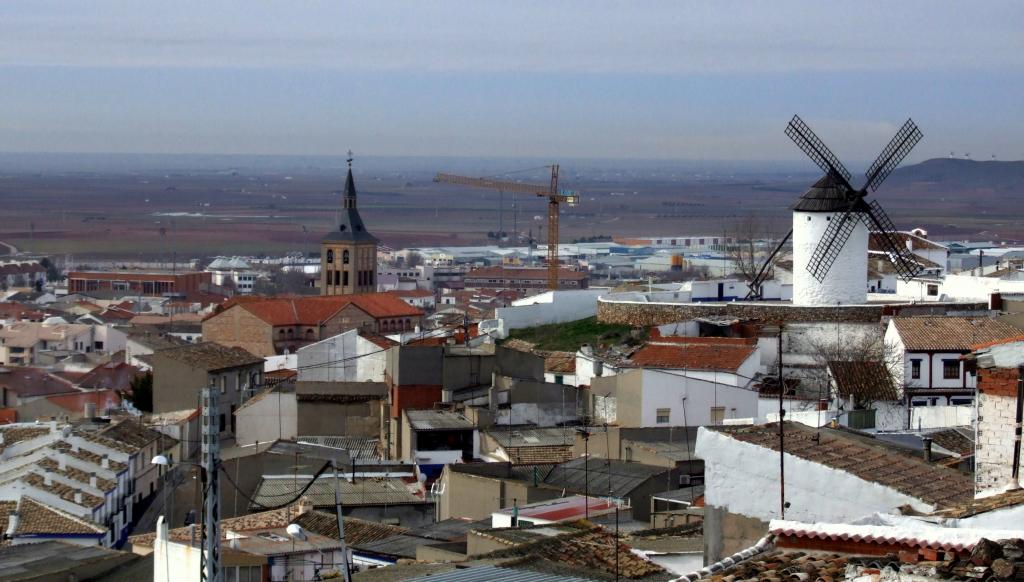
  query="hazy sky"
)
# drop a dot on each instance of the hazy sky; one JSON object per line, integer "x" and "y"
{"x": 677, "y": 80}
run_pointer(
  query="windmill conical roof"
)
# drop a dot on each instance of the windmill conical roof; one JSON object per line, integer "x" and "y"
{"x": 826, "y": 195}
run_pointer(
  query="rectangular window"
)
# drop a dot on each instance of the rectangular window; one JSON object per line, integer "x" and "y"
{"x": 717, "y": 414}
{"x": 223, "y": 384}
{"x": 950, "y": 369}
{"x": 664, "y": 415}
{"x": 222, "y": 422}
{"x": 344, "y": 279}
{"x": 933, "y": 290}
{"x": 915, "y": 369}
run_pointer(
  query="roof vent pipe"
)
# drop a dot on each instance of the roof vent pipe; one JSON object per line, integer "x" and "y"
{"x": 927, "y": 443}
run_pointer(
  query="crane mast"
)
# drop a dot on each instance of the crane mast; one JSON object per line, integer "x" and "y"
{"x": 555, "y": 198}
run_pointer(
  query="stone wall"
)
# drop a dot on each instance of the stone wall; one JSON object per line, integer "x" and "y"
{"x": 638, "y": 314}
{"x": 997, "y": 416}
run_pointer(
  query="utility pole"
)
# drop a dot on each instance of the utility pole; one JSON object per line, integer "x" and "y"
{"x": 347, "y": 572}
{"x": 210, "y": 557}
{"x": 782, "y": 436}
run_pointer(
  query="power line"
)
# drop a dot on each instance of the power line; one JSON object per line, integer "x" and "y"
{"x": 259, "y": 505}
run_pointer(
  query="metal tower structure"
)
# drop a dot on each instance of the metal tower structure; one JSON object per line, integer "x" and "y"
{"x": 211, "y": 570}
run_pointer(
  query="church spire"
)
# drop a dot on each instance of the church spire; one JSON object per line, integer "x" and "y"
{"x": 350, "y": 186}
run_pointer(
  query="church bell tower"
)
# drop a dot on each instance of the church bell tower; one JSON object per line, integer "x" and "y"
{"x": 348, "y": 254}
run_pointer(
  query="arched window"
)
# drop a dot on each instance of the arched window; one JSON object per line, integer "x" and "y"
{"x": 309, "y": 334}
{"x": 330, "y": 256}
{"x": 344, "y": 257}
{"x": 291, "y": 332}
{"x": 280, "y": 333}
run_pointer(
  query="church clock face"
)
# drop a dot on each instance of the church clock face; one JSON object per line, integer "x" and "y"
{"x": 330, "y": 256}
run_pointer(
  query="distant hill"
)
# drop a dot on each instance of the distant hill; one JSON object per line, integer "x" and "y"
{"x": 952, "y": 174}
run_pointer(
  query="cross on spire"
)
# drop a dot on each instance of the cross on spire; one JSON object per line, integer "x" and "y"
{"x": 349, "y": 160}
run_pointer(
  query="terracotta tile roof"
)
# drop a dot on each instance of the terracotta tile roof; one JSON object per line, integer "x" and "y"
{"x": 103, "y": 399}
{"x": 983, "y": 505}
{"x": 135, "y": 434}
{"x": 954, "y": 440}
{"x": 210, "y": 356}
{"x": 864, "y": 380}
{"x": 378, "y": 339}
{"x": 357, "y": 531}
{"x": 75, "y": 474}
{"x": 280, "y": 311}
{"x": 701, "y": 355}
{"x": 410, "y": 293}
{"x": 865, "y": 458}
{"x": 916, "y": 242}
{"x": 112, "y": 376}
{"x": 560, "y": 362}
{"x": 937, "y": 333}
{"x": 591, "y": 549}
{"x": 109, "y": 443}
{"x": 65, "y": 492}
{"x": 37, "y": 518}
{"x": 88, "y": 456}
{"x": 518, "y": 274}
{"x": 29, "y": 382}
{"x": 658, "y": 337}
{"x": 17, "y": 434}
{"x": 539, "y": 455}
{"x": 274, "y": 518}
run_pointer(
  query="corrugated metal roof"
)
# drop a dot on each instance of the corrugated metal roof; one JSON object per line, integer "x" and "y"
{"x": 491, "y": 573}
{"x": 437, "y": 420}
{"x": 370, "y": 491}
{"x": 533, "y": 437}
{"x": 359, "y": 448}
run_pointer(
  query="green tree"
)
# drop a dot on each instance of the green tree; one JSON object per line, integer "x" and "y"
{"x": 142, "y": 392}
{"x": 53, "y": 272}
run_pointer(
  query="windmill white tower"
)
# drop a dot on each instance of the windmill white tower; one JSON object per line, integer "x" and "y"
{"x": 832, "y": 223}
{"x": 812, "y": 215}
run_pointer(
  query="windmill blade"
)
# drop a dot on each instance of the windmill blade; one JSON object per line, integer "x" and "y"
{"x": 755, "y": 285}
{"x": 832, "y": 242}
{"x": 891, "y": 243}
{"x": 900, "y": 145}
{"x": 811, "y": 144}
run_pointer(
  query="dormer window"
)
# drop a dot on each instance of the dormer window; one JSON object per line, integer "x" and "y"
{"x": 330, "y": 256}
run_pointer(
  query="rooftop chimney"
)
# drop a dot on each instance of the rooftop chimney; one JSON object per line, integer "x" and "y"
{"x": 53, "y": 426}
{"x": 305, "y": 505}
{"x": 93, "y": 482}
{"x": 927, "y": 442}
{"x": 12, "y": 523}
{"x": 47, "y": 477}
{"x": 78, "y": 497}
{"x": 74, "y": 446}
{"x": 62, "y": 461}
{"x": 105, "y": 462}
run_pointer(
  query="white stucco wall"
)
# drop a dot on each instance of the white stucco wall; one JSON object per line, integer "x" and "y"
{"x": 845, "y": 282}
{"x": 274, "y": 416}
{"x": 662, "y": 389}
{"x": 734, "y": 469}
{"x": 353, "y": 359}
{"x": 550, "y": 307}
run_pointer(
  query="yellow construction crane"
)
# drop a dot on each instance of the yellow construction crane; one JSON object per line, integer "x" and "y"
{"x": 555, "y": 198}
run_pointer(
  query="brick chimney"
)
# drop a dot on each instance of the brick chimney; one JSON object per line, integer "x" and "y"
{"x": 997, "y": 451}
